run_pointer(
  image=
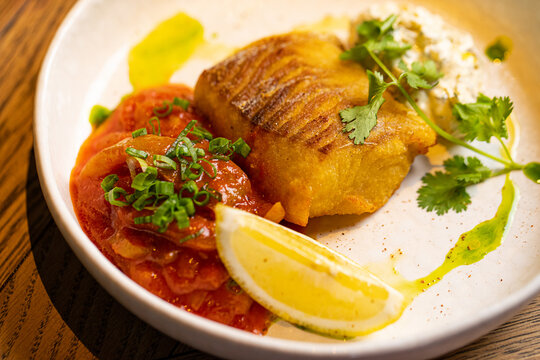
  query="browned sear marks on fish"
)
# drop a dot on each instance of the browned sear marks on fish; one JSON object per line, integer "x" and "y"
{"x": 283, "y": 95}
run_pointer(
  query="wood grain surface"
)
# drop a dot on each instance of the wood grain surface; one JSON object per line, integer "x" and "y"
{"x": 50, "y": 306}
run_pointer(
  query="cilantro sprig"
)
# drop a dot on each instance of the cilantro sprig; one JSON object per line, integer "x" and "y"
{"x": 444, "y": 191}
{"x": 359, "y": 120}
{"x": 479, "y": 121}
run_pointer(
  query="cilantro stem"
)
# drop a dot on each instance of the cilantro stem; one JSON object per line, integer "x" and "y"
{"x": 508, "y": 163}
{"x": 504, "y": 171}
{"x": 507, "y": 152}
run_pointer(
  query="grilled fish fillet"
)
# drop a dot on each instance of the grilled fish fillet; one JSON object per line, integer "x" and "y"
{"x": 283, "y": 94}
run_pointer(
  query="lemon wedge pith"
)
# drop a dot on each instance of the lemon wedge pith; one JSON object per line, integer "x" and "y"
{"x": 301, "y": 280}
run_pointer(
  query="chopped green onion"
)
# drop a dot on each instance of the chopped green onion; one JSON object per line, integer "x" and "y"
{"x": 151, "y": 170}
{"x": 200, "y": 152}
{"x": 194, "y": 175}
{"x": 182, "y": 218}
{"x": 214, "y": 168}
{"x": 241, "y": 147}
{"x": 172, "y": 149}
{"x": 137, "y": 153}
{"x": 221, "y": 157}
{"x": 201, "y": 133}
{"x": 187, "y": 203}
{"x": 142, "y": 202}
{"x": 142, "y": 220}
{"x": 143, "y": 163}
{"x": 205, "y": 198}
{"x": 188, "y": 128}
{"x": 164, "y": 188}
{"x": 163, "y": 162}
{"x": 108, "y": 183}
{"x": 164, "y": 110}
{"x": 98, "y": 114}
{"x": 144, "y": 180}
{"x": 191, "y": 236}
{"x": 213, "y": 192}
{"x": 181, "y": 102}
{"x": 163, "y": 215}
{"x": 139, "y": 132}
{"x": 187, "y": 148}
{"x": 151, "y": 122}
{"x": 113, "y": 195}
{"x": 219, "y": 145}
{"x": 190, "y": 186}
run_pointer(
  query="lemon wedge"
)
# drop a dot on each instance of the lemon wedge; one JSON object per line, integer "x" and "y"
{"x": 301, "y": 280}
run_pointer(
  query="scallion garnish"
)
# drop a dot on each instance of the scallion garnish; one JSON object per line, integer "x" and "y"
{"x": 108, "y": 183}
{"x": 151, "y": 122}
{"x": 190, "y": 186}
{"x": 144, "y": 180}
{"x": 219, "y": 145}
{"x": 241, "y": 147}
{"x": 163, "y": 162}
{"x": 139, "y": 132}
{"x": 187, "y": 203}
{"x": 202, "y": 198}
{"x": 142, "y": 220}
{"x": 160, "y": 197}
{"x": 194, "y": 171}
{"x": 143, "y": 163}
{"x": 184, "y": 104}
{"x": 143, "y": 201}
{"x": 191, "y": 236}
{"x": 114, "y": 194}
{"x": 164, "y": 110}
{"x": 136, "y": 153}
{"x": 164, "y": 188}
{"x": 214, "y": 169}
{"x": 182, "y": 218}
{"x": 222, "y": 148}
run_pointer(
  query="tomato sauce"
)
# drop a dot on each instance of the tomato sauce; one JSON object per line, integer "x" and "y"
{"x": 188, "y": 274}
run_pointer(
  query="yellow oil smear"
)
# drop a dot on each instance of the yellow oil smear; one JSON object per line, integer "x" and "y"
{"x": 512, "y": 126}
{"x": 329, "y": 24}
{"x": 471, "y": 247}
{"x": 164, "y": 50}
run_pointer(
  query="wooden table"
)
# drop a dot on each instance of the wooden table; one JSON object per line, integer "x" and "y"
{"x": 50, "y": 306}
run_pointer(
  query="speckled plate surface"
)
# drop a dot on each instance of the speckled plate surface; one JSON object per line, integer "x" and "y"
{"x": 87, "y": 64}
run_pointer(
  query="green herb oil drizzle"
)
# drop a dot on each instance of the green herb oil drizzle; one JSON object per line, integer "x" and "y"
{"x": 471, "y": 247}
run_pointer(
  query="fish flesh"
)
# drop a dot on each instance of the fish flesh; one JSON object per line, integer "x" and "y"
{"x": 283, "y": 94}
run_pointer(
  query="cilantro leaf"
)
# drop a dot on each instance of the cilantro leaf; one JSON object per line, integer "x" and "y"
{"x": 442, "y": 192}
{"x": 360, "y": 120}
{"x": 373, "y": 29}
{"x": 470, "y": 171}
{"x": 484, "y": 119}
{"x": 376, "y": 36}
{"x": 445, "y": 191}
{"x": 421, "y": 75}
{"x": 388, "y": 48}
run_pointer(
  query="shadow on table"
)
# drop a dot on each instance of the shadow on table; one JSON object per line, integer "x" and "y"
{"x": 104, "y": 326}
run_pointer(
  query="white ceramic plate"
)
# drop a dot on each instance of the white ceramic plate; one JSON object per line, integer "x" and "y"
{"x": 87, "y": 64}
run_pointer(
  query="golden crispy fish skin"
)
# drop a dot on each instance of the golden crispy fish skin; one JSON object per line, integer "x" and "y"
{"x": 283, "y": 94}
